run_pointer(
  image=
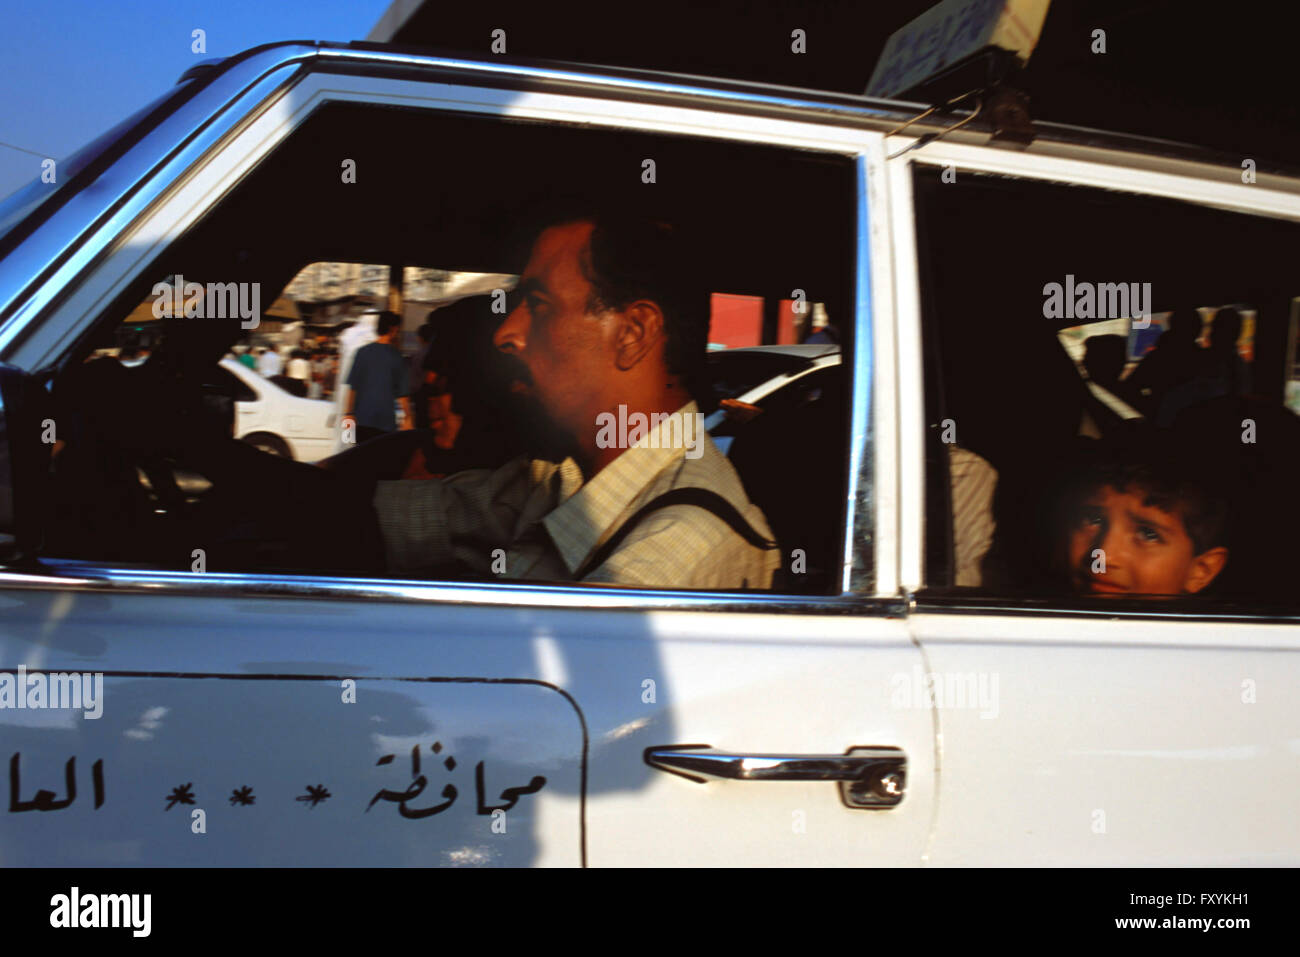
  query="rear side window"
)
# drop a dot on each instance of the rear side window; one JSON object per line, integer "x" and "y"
{"x": 1110, "y": 394}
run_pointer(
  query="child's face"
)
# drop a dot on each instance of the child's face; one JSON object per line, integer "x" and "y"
{"x": 1144, "y": 550}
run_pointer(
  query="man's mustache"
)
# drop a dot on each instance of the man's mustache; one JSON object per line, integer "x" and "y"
{"x": 508, "y": 369}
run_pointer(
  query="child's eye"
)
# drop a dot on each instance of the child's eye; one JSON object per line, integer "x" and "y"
{"x": 1089, "y": 518}
{"x": 1149, "y": 534}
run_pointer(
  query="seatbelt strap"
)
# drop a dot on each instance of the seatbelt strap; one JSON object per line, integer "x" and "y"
{"x": 700, "y": 498}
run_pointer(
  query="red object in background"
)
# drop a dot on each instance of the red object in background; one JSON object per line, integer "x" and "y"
{"x": 788, "y": 324}
{"x": 736, "y": 321}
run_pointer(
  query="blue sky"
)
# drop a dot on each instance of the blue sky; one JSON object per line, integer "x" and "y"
{"x": 72, "y": 70}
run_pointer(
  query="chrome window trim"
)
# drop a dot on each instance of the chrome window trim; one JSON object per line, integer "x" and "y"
{"x": 64, "y": 575}
{"x": 1135, "y": 610}
{"x": 839, "y": 108}
{"x": 874, "y": 476}
{"x": 911, "y": 376}
{"x": 1237, "y": 197}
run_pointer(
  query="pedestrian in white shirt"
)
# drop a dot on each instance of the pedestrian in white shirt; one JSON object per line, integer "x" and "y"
{"x": 269, "y": 363}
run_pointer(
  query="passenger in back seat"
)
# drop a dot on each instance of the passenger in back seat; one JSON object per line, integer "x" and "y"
{"x": 973, "y": 483}
{"x": 1145, "y": 529}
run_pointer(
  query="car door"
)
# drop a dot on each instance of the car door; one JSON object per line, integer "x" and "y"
{"x": 1079, "y": 731}
{"x": 240, "y": 718}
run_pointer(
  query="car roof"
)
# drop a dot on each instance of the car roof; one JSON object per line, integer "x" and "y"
{"x": 735, "y": 95}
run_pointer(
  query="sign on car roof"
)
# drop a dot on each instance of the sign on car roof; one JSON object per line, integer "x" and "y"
{"x": 950, "y": 32}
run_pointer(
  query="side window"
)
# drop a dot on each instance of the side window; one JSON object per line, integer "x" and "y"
{"x": 1109, "y": 390}
{"x": 328, "y": 346}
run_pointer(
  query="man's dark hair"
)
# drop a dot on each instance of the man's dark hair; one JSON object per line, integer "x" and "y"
{"x": 387, "y": 320}
{"x": 633, "y": 257}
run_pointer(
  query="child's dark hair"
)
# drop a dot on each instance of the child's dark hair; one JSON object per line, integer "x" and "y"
{"x": 1173, "y": 485}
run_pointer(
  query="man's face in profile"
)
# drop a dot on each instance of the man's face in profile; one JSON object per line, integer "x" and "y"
{"x": 560, "y": 357}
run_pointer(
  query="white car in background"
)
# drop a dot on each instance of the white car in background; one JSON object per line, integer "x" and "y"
{"x": 277, "y": 422}
{"x": 750, "y": 374}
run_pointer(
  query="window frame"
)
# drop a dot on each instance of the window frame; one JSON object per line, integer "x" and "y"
{"x": 1271, "y": 197}
{"x": 65, "y": 304}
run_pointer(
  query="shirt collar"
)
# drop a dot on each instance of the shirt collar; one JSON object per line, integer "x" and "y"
{"x": 586, "y": 515}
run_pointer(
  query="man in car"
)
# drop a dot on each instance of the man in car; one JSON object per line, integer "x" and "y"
{"x": 609, "y": 320}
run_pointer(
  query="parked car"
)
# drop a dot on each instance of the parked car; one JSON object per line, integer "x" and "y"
{"x": 279, "y": 423}
{"x": 865, "y": 712}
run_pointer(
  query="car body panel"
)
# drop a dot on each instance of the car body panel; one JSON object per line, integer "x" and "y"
{"x": 1107, "y": 741}
{"x": 207, "y": 690}
{"x": 1109, "y": 727}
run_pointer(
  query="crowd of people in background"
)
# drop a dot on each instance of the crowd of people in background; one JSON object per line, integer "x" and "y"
{"x": 1178, "y": 372}
{"x": 369, "y": 359}
{"x": 309, "y": 370}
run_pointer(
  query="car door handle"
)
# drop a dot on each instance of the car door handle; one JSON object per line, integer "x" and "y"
{"x": 869, "y": 777}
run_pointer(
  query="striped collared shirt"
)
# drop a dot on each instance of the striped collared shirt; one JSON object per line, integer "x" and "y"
{"x": 536, "y": 520}
{"x": 973, "y": 483}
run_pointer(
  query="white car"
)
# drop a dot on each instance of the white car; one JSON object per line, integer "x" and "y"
{"x": 881, "y": 718}
{"x": 279, "y": 423}
{"x": 750, "y": 374}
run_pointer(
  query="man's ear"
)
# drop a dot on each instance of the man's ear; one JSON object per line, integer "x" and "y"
{"x": 641, "y": 326}
{"x": 1204, "y": 568}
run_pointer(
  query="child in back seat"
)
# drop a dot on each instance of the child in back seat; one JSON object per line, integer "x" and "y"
{"x": 1144, "y": 530}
